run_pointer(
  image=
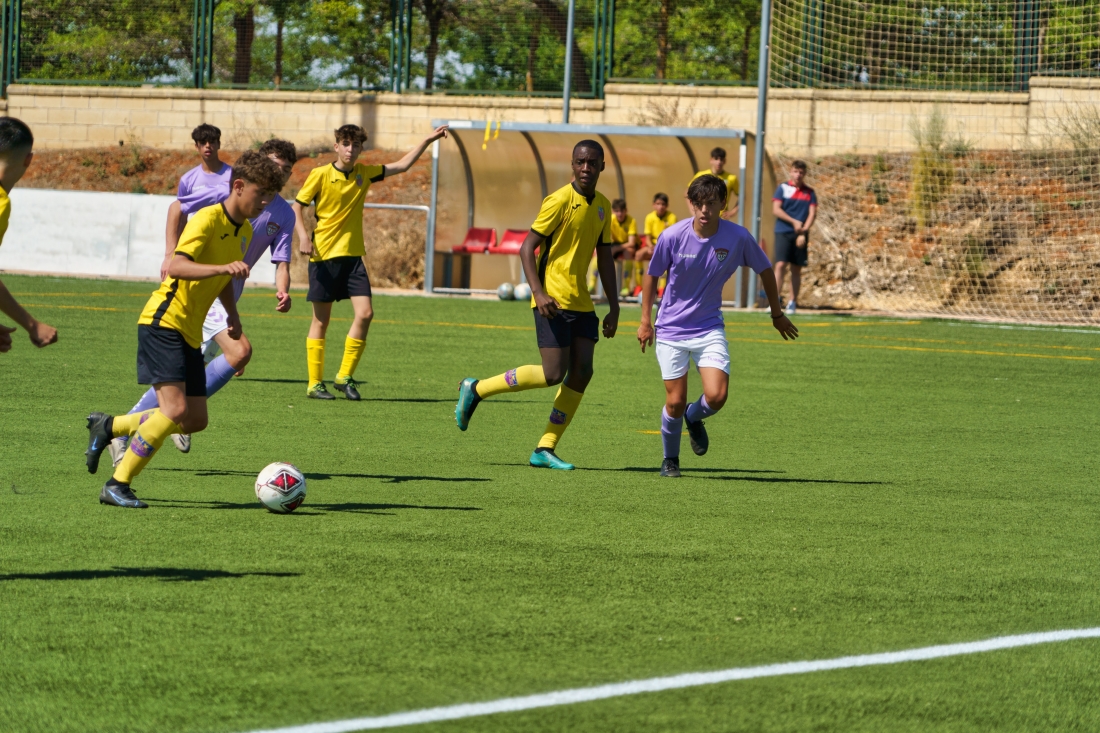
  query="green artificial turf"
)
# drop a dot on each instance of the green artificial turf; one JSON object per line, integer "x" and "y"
{"x": 878, "y": 485}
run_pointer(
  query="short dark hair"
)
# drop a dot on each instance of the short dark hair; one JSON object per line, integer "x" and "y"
{"x": 588, "y": 145}
{"x": 719, "y": 153}
{"x": 800, "y": 165}
{"x": 206, "y": 133}
{"x": 618, "y": 205}
{"x": 14, "y": 135}
{"x": 255, "y": 167}
{"x": 661, "y": 197}
{"x": 282, "y": 149}
{"x": 706, "y": 188}
{"x": 350, "y": 134}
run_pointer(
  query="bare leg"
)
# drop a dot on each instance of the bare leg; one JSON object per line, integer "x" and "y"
{"x": 780, "y": 273}
{"x": 796, "y": 282}
{"x": 322, "y": 312}
{"x": 364, "y": 314}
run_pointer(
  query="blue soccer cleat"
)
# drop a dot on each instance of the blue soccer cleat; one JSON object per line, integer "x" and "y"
{"x": 467, "y": 402}
{"x": 547, "y": 459}
{"x": 116, "y": 493}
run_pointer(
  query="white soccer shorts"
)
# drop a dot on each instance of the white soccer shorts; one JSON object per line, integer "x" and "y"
{"x": 217, "y": 320}
{"x": 708, "y": 350}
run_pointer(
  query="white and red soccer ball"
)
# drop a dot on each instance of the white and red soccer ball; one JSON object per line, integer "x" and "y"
{"x": 281, "y": 488}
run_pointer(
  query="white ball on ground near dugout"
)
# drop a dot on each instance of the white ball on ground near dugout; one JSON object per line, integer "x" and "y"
{"x": 522, "y": 291}
{"x": 505, "y": 291}
{"x": 281, "y": 487}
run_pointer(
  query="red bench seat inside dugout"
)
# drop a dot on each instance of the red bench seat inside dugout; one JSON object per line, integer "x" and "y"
{"x": 478, "y": 240}
{"x": 509, "y": 243}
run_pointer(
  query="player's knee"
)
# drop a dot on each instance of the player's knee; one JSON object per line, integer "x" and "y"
{"x": 717, "y": 400}
{"x": 675, "y": 407}
{"x": 240, "y": 354}
{"x": 554, "y": 375}
{"x": 194, "y": 423}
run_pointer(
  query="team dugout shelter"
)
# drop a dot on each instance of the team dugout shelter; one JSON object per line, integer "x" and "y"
{"x": 489, "y": 179}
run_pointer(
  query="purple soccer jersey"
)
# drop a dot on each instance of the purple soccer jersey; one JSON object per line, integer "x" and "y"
{"x": 199, "y": 189}
{"x": 697, "y": 271}
{"x": 272, "y": 229}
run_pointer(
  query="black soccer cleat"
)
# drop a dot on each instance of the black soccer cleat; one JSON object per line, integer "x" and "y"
{"x": 116, "y": 493}
{"x": 697, "y": 436}
{"x": 318, "y": 392}
{"x": 348, "y": 387}
{"x": 99, "y": 437}
{"x": 670, "y": 468}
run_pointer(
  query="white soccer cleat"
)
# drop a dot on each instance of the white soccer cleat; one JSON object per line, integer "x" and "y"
{"x": 117, "y": 448}
{"x": 790, "y": 308}
{"x": 182, "y": 441}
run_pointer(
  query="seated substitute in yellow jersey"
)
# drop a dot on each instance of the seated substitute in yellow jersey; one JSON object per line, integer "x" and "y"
{"x": 572, "y": 225}
{"x": 655, "y": 224}
{"x": 733, "y": 188}
{"x": 622, "y": 231}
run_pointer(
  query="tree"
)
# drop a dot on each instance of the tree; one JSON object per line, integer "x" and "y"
{"x": 244, "y": 26}
{"x": 434, "y": 13}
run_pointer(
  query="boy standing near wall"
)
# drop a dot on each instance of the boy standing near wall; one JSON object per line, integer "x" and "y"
{"x": 795, "y": 209}
{"x": 336, "y": 250}
{"x": 16, "y": 144}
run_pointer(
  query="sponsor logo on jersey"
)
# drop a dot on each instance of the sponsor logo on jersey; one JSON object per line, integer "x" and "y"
{"x": 272, "y": 229}
{"x": 557, "y": 416}
{"x": 721, "y": 254}
{"x": 510, "y": 378}
{"x": 599, "y": 210}
{"x": 140, "y": 447}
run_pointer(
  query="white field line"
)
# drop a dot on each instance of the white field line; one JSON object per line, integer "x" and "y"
{"x": 693, "y": 679}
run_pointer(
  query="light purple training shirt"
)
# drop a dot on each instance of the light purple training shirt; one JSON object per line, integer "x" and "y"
{"x": 697, "y": 270}
{"x": 199, "y": 189}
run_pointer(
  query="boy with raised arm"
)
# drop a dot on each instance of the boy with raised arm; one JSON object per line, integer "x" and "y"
{"x": 16, "y": 144}
{"x": 573, "y": 221}
{"x": 272, "y": 232}
{"x": 699, "y": 254}
{"x": 336, "y": 249}
{"x": 207, "y": 259}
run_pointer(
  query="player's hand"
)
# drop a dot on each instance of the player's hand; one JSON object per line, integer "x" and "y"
{"x": 645, "y": 335}
{"x": 5, "y": 338}
{"x": 611, "y": 324}
{"x": 785, "y": 327}
{"x": 234, "y": 329}
{"x": 547, "y": 306}
{"x": 164, "y": 266}
{"x": 284, "y": 302}
{"x": 437, "y": 133}
{"x": 305, "y": 245}
{"x": 797, "y": 226}
{"x": 800, "y": 241}
{"x": 237, "y": 270}
{"x": 42, "y": 334}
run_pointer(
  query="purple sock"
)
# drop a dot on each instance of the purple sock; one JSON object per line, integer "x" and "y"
{"x": 671, "y": 427}
{"x": 147, "y": 402}
{"x": 218, "y": 374}
{"x": 696, "y": 411}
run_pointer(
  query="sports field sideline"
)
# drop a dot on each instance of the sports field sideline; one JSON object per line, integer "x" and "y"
{"x": 878, "y": 485}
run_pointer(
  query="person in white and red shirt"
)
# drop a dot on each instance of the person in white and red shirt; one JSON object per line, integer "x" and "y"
{"x": 795, "y": 209}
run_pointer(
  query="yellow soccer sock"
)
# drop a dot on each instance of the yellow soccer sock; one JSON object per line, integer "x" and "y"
{"x": 150, "y": 435}
{"x": 565, "y": 406}
{"x": 127, "y": 424}
{"x": 315, "y": 359}
{"x": 353, "y": 352}
{"x": 513, "y": 380}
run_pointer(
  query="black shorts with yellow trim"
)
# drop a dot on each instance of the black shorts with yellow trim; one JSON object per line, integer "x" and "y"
{"x": 338, "y": 278}
{"x": 165, "y": 356}
{"x": 558, "y": 332}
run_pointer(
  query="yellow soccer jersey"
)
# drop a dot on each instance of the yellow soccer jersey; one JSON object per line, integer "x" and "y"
{"x": 5, "y": 213}
{"x": 210, "y": 238}
{"x": 732, "y": 186}
{"x": 620, "y": 233}
{"x": 572, "y": 226}
{"x": 654, "y": 225}
{"x": 339, "y": 200}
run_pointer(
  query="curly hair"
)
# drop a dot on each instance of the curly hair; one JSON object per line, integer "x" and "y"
{"x": 255, "y": 167}
{"x": 206, "y": 133}
{"x": 706, "y": 188}
{"x": 350, "y": 133}
{"x": 281, "y": 149}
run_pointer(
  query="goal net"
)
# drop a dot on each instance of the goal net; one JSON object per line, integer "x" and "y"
{"x": 955, "y": 151}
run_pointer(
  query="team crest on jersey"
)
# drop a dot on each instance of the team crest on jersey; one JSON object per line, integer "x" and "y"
{"x": 359, "y": 180}
{"x": 244, "y": 244}
{"x": 599, "y": 210}
{"x": 721, "y": 254}
{"x": 557, "y": 416}
{"x": 272, "y": 229}
{"x": 510, "y": 378}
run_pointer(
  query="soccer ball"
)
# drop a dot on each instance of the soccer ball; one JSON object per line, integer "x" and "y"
{"x": 523, "y": 291}
{"x": 505, "y": 291}
{"x": 281, "y": 488}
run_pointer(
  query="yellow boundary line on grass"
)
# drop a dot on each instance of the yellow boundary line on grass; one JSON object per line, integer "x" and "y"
{"x": 926, "y": 349}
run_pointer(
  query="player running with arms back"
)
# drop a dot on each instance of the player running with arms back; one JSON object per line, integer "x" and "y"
{"x": 208, "y": 258}
{"x": 336, "y": 249}
{"x": 272, "y": 231}
{"x": 16, "y": 143}
{"x": 572, "y": 222}
{"x": 699, "y": 255}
